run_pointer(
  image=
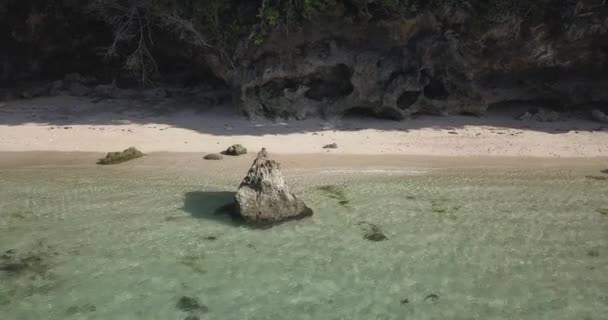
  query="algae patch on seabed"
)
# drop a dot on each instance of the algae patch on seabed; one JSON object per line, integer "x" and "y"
{"x": 335, "y": 192}
{"x": 4, "y": 299}
{"x": 189, "y": 304}
{"x": 120, "y": 157}
{"x": 440, "y": 206}
{"x": 29, "y": 263}
{"x": 372, "y": 232}
{"x": 25, "y": 273}
{"x": 193, "y": 262}
{"x": 599, "y": 178}
{"x": 85, "y": 308}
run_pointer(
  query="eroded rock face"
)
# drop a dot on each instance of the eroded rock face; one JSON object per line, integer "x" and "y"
{"x": 263, "y": 198}
{"x": 435, "y": 62}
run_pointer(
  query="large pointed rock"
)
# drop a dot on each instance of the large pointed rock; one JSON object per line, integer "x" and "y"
{"x": 263, "y": 198}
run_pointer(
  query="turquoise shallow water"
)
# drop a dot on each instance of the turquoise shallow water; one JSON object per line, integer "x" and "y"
{"x": 128, "y": 242}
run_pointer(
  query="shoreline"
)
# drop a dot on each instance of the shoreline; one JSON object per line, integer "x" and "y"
{"x": 69, "y": 124}
{"x": 192, "y": 161}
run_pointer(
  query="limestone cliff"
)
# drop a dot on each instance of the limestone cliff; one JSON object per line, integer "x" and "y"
{"x": 352, "y": 56}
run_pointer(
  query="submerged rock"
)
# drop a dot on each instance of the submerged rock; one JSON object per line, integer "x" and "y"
{"x": 431, "y": 297}
{"x": 263, "y": 197}
{"x": 235, "y": 150}
{"x": 86, "y": 308}
{"x": 372, "y": 232}
{"x": 119, "y": 157}
{"x": 334, "y": 192}
{"x": 213, "y": 156}
{"x": 186, "y": 303}
{"x": 32, "y": 263}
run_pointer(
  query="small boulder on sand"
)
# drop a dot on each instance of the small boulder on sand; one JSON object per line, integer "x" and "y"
{"x": 119, "y": 157}
{"x": 263, "y": 198}
{"x": 331, "y": 146}
{"x": 235, "y": 150}
{"x": 599, "y": 116}
{"x": 540, "y": 115}
{"x": 213, "y": 156}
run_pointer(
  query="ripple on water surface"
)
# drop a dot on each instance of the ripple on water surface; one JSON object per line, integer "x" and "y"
{"x": 109, "y": 244}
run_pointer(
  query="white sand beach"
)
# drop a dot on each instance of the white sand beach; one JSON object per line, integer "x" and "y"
{"x": 69, "y": 124}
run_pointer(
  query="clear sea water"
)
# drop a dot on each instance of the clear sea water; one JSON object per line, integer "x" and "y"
{"x": 141, "y": 242}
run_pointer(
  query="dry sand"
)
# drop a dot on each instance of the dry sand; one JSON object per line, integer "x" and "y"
{"x": 70, "y": 124}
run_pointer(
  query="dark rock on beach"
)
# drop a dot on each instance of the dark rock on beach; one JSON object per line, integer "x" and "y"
{"x": 599, "y": 116}
{"x": 263, "y": 198}
{"x": 235, "y": 150}
{"x": 331, "y": 146}
{"x": 119, "y": 157}
{"x": 213, "y": 156}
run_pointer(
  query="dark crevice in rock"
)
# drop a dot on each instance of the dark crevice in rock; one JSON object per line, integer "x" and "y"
{"x": 359, "y": 112}
{"x": 329, "y": 83}
{"x": 275, "y": 88}
{"x": 436, "y": 90}
{"x": 407, "y": 98}
{"x": 390, "y": 114}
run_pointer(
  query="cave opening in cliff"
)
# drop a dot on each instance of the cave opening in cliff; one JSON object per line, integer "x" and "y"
{"x": 359, "y": 112}
{"x": 407, "y": 98}
{"x": 436, "y": 90}
{"x": 329, "y": 83}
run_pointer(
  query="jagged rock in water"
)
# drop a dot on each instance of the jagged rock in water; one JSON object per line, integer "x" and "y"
{"x": 600, "y": 116}
{"x": 235, "y": 150}
{"x": 263, "y": 198}
{"x": 119, "y": 157}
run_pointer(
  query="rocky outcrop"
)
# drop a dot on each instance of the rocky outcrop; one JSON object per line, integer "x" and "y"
{"x": 599, "y": 116}
{"x": 351, "y": 57}
{"x": 120, "y": 157}
{"x": 263, "y": 198}
{"x": 235, "y": 150}
{"x": 454, "y": 59}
